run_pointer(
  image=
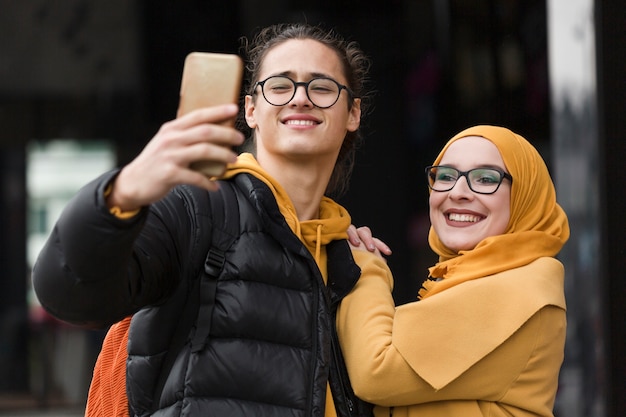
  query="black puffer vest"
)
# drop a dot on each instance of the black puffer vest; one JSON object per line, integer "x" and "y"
{"x": 272, "y": 346}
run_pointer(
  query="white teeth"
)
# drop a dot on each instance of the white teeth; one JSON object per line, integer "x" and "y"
{"x": 463, "y": 217}
{"x": 300, "y": 122}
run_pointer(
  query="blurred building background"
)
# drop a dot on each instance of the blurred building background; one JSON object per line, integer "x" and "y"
{"x": 84, "y": 84}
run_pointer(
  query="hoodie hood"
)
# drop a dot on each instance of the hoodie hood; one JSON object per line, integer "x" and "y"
{"x": 333, "y": 220}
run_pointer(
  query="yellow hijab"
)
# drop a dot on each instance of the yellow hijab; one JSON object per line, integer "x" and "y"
{"x": 537, "y": 227}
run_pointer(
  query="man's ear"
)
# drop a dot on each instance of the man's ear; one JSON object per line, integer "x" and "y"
{"x": 249, "y": 112}
{"x": 354, "y": 118}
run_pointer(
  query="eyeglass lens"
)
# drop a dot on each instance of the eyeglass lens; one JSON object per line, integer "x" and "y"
{"x": 278, "y": 91}
{"x": 480, "y": 180}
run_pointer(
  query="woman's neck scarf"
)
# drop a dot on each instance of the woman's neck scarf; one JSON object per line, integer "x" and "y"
{"x": 537, "y": 227}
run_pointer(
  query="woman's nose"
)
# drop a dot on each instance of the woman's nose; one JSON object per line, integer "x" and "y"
{"x": 461, "y": 189}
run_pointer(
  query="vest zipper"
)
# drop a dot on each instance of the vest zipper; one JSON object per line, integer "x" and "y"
{"x": 344, "y": 392}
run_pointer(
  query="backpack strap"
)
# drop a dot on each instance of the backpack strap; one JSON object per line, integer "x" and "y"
{"x": 225, "y": 232}
{"x": 201, "y": 294}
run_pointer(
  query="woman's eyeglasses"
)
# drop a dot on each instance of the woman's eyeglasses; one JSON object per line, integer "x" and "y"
{"x": 479, "y": 180}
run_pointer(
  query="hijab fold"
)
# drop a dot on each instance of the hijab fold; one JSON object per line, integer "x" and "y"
{"x": 538, "y": 226}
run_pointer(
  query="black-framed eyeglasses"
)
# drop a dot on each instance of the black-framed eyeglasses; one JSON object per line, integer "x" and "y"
{"x": 323, "y": 92}
{"x": 480, "y": 180}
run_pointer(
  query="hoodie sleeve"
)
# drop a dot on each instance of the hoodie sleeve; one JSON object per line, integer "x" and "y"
{"x": 365, "y": 322}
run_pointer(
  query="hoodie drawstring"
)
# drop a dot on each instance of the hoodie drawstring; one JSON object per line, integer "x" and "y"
{"x": 318, "y": 244}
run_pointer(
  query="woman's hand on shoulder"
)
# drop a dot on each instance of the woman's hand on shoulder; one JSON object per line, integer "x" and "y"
{"x": 362, "y": 239}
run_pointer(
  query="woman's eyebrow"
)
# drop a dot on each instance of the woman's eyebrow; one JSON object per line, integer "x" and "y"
{"x": 476, "y": 166}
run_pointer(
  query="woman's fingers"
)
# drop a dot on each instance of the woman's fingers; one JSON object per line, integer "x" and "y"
{"x": 364, "y": 235}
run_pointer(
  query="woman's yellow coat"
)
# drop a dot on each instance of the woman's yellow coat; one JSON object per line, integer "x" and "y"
{"x": 492, "y": 346}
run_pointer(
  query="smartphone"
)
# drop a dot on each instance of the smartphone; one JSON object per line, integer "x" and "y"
{"x": 210, "y": 79}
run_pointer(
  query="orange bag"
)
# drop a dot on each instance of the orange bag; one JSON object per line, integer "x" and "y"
{"x": 107, "y": 393}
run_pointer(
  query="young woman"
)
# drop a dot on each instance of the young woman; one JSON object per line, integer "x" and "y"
{"x": 129, "y": 239}
{"x": 487, "y": 336}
